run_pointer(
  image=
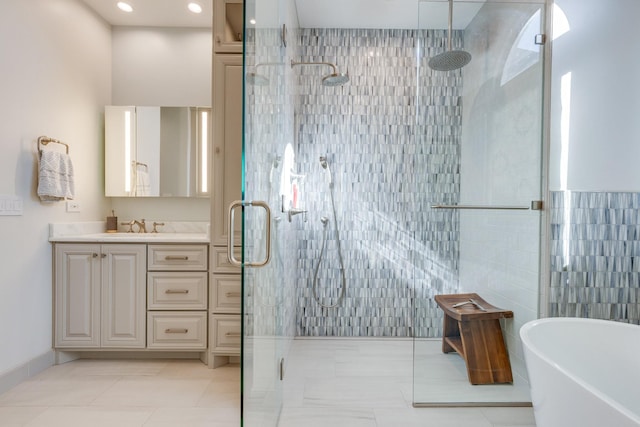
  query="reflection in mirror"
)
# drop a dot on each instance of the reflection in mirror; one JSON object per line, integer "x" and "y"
{"x": 157, "y": 151}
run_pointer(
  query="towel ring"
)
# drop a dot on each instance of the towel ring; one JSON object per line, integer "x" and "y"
{"x": 44, "y": 140}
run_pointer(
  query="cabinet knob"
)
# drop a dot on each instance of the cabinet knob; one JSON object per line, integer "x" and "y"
{"x": 103, "y": 255}
{"x": 95, "y": 255}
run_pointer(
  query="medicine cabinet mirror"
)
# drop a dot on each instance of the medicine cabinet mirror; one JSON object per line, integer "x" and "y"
{"x": 155, "y": 151}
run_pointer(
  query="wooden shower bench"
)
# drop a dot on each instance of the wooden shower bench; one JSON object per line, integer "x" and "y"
{"x": 476, "y": 335}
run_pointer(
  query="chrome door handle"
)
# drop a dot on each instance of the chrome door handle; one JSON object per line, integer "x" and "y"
{"x": 230, "y": 239}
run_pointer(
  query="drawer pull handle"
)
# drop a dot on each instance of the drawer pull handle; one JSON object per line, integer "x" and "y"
{"x": 233, "y": 335}
{"x": 176, "y": 331}
{"x": 176, "y": 258}
{"x": 233, "y": 294}
{"x": 176, "y": 291}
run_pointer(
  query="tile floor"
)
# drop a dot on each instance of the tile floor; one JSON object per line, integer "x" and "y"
{"x": 331, "y": 383}
{"x": 360, "y": 382}
{"x": 126, "y": 393}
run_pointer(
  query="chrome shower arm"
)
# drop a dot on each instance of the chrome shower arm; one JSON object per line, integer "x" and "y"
{"x": 333, "y": 67}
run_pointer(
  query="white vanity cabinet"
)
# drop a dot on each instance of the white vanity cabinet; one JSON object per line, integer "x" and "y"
{"x": 100, "y": 296}
{"x": 177, "y": 292}
{"x": 225, "y": 304}
{"x": 225, "y": 300}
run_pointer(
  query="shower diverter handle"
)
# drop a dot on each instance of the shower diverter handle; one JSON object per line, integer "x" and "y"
{"x": 230, "y": 239}
{"x": 295, "y": 211}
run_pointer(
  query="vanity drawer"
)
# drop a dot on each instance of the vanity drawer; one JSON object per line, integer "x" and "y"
{"x": 220, "y": 262}
{"x": 177, "y": 290}
{"x": 177, "y": 257}
{"x": 226, "y": 293}
{"x": 177, "y": 330}
{"x": 226, "y": 334}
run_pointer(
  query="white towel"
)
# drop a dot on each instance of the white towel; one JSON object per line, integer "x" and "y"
{"x": 143, "y": 184}
{"x": 55, "y": 176}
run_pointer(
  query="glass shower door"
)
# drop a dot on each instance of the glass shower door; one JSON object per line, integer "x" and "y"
{"x": 267, "y": 288}
{"x": 484, "y": 124}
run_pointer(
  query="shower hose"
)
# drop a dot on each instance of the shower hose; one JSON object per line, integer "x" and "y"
{"x": 343, "y": 288}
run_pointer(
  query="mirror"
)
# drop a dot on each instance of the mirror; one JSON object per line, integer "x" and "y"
{"x": 157, "y": 151}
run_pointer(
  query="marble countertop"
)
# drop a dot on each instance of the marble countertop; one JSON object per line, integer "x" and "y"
{"x": 88, "y": 232}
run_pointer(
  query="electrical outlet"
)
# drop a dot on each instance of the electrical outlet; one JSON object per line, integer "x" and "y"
{"x": 73, "y": 206}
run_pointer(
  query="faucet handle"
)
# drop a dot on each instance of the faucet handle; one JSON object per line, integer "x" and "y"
{"x": 295, "y": 211}
{"x": 130, "y": 224}
{"x": 155, "y": 224}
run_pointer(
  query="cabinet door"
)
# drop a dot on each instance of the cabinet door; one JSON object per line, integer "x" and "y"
{"x": 77, "y": 295}
{"x": 123, "y": 296}
{"x": 227, "y": 142}
{"x": 228, "y": 26}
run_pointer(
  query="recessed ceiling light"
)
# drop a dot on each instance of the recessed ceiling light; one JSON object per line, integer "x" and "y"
{"x": 125, "y": 7}
{"x": 252, "y": 21}
{"x": 195, "y": 7}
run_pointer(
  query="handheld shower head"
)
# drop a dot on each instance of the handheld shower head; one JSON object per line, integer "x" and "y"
{"x": 323, "y": 162}
{"x": 325, "y": 165}
{"x": 325, "y": 221}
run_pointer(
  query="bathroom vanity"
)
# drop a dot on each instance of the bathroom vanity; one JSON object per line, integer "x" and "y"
{"x": 131, "y": 292}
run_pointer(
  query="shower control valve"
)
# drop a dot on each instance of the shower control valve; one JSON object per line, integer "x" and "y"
{"x": 295, "y": 211}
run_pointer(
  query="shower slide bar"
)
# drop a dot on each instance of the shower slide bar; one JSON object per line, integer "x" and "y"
{"x": 536, "y": 205}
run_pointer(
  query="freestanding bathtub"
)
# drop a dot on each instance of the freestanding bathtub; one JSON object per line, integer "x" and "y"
{"x": 583, "y": 372}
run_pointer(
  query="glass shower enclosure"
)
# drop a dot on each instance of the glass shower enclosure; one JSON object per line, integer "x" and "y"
{"x": 433, "y": 175}
{"x": 484, "y": 125}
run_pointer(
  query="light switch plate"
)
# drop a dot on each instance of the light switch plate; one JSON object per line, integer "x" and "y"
{"x": 10, "y": 205}
{"x": 73, "y": 206}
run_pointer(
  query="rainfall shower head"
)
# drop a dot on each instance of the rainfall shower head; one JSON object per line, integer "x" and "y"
{"x": 256, "y": 79}
{"x": 451, "y": 59}
{"x": 333, "y": 79}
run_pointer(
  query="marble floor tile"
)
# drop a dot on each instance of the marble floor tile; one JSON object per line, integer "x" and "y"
{"x": 327, "y": 417}
{"x": 328, "y": 383}
{"x": 195, "y": 417}
{"x": 19, "y": 416}
{"x": 153, "y": 392}
{"x": 91, "y": 416}
{"x": 58, "y": 392}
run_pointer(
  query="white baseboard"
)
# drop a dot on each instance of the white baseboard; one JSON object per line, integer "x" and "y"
{"x": 10, "y": 379}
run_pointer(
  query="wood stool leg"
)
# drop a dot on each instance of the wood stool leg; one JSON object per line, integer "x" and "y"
{"x": 449, "y": 329}
{"x": 485, "y": 352}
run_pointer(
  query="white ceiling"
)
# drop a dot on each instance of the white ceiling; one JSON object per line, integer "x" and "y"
{"x": 154, "y": 13}
{"x": 392, "y": 14}
{"x": 311, "y": 13}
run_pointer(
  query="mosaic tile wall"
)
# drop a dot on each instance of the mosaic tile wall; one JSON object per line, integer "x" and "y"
{"x": 390, "y": 162}
{"x": 595, "y": 255}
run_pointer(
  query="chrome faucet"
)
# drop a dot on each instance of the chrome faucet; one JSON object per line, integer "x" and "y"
{"x": 142, "y": 227}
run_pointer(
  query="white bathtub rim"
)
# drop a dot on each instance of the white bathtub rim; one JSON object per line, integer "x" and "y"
{"x": 528, "y": 344}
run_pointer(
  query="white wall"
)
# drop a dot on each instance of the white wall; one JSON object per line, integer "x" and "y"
{"x": 601, "y": 52}
{"x": 54, "y": 80}
{"x": 163, "y": 67}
